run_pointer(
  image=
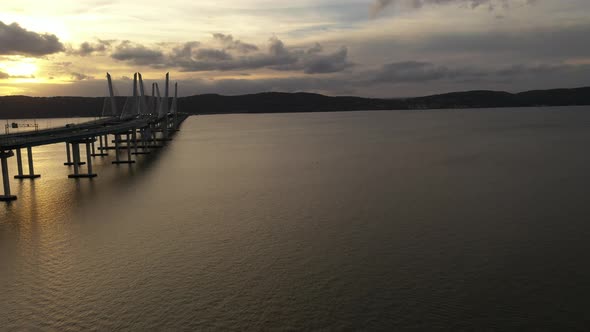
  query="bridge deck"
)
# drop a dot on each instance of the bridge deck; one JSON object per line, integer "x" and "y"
{"x": 72, "y": 132}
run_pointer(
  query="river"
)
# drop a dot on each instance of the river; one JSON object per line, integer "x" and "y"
{"x": 405, "y": 220}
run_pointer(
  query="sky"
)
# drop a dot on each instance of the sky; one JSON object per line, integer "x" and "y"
{"x": 371, "y": 48}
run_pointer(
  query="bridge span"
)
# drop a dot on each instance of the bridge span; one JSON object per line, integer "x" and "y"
{"x": 143, "y": 124}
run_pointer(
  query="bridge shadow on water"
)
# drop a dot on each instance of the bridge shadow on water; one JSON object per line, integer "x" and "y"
{"x": 128, "y": 173}
{"x": 48, "y": 197}
{"x": 53, "y": 207}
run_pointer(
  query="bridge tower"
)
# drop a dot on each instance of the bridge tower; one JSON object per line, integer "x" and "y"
{"x": 112, "y": 96}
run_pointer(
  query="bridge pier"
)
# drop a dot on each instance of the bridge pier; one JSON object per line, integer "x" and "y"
{"x": 19, "y": 162}
{"x": 134, "y": 138}
{"x": 4, "y": 155}
{"x": 143, "y": 142}
{"x": 165, "y": 129}
{"x": 100, "y": 148}
{"x": 118, "y": 147}
{"x": 76, "y": 152}
{"x": 69, "y": 157}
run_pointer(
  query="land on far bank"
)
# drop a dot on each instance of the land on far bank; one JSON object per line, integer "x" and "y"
{"x": 12, "y": 107}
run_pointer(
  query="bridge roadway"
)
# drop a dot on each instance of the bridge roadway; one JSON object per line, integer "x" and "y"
{"x": 71, "y": 133}
{"x": 146, "y": 125}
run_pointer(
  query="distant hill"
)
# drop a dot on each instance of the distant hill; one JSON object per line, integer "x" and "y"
{"x": 278, "y": 102}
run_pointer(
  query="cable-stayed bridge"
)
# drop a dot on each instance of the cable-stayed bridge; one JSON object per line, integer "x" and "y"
{"x": 143, "y": 124}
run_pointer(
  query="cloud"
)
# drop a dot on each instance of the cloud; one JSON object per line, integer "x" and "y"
{"x": 14, "y": 40}
{"x": 193, "y": 56}
{"x": 412, "y": 82}
{"x": 4, "y": 76}
{"x": 185, "y": 50}
{"x": 212, "y": 54}
{"x": 420, "y": 72}
{"x": 379, "y": 5}
{"x": 80, "y": 77}
{"x": 229, "y": 43}
{"x": 530, "y": 42}
{"x": 87, "y": 48}
{"x": 277, "y": 57}
{"x": 137, "y": 54}
{"x": 313, "y": 62}
{"x": 416, "y": 71}
{"x": 210, "y": 59}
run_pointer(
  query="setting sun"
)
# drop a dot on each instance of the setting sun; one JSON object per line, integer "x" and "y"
{"x": 20, "y": 69}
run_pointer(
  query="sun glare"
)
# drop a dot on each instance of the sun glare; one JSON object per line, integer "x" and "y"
{"x": 20, "y": 69}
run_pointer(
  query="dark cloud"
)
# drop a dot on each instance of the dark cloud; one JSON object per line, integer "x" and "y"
{"x": 137, "y": 54}
{"x": 316, "y": 48}
{"x": 212, "y": 54}
{"x": 315, "y": 63}
{"x": 3, "y": 75}
{"x": 14, "y": 40}
{"x": 230, "y": 43}
{"x": 548, "y": 44}
{"x": 87, "y": 48}
{"x": 511, "y": 78}
{"x": 529, "y": 42}
{"x": 415, "y": 71}
{"x": 190, "y": 57}
{"x": 194, "y": 57}
{"x": 420, "y": 72}
{"x": 80, "y": 77}
{"x": 185, "y": 50}
{"x": 378, "y": 5}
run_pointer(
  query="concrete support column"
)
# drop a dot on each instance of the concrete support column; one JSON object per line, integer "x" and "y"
{"x": 155, "y": 139}
{"x": 117, "y": 148}
{"x": 88, "y": 159}
{"x": 128, "y": 147}
{"x": 103, "y": 152}
{"x": 134, "y": 140}
{"x": 117, "y": 158}
{"x": 19, "y": 163}
{"x": 32, "y": 174}
{"x": 77, "y": 174}
{"x": 4, "y": 155}
{"x": 76, "y": 149}
{"x": 146, "y": 140}
{"x": 165, "y": 129}
{"x": 69, "y": 156}
{"x": 143, "y": 142}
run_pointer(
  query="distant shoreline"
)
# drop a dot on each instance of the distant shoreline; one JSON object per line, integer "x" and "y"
{"x": 23, "y": 107}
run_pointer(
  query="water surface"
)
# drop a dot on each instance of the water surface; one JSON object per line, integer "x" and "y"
{"x": 413, "y": 220}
